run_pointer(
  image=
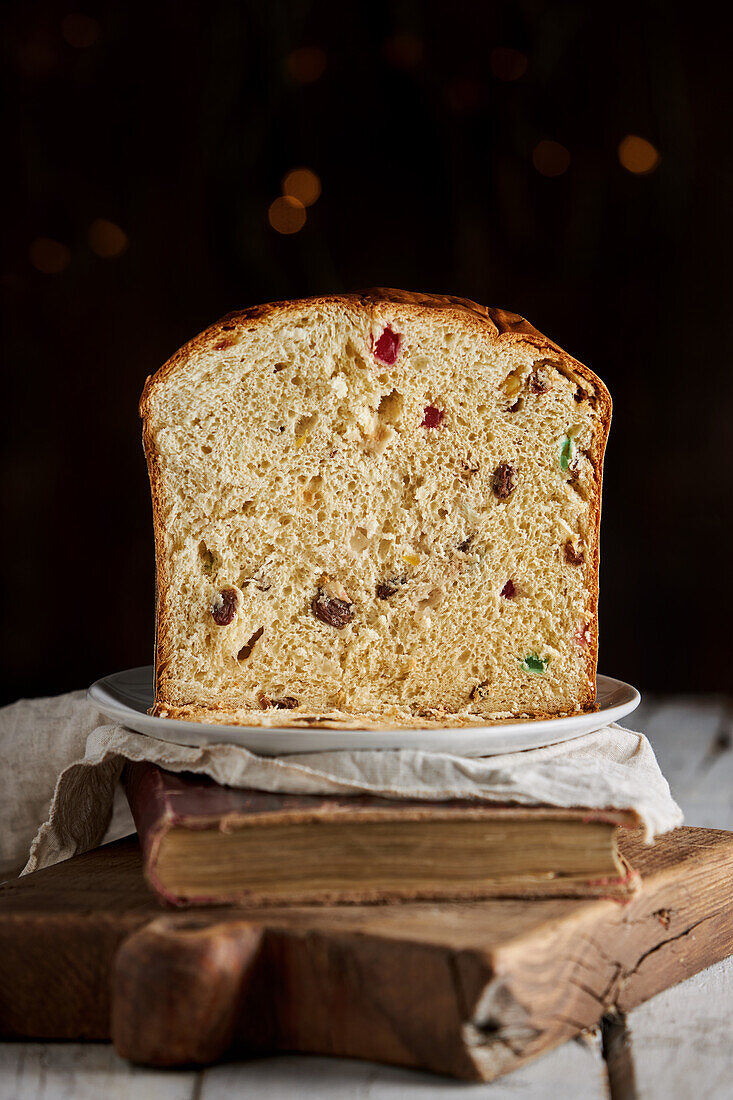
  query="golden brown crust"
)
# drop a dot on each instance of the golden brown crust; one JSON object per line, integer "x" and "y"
{"x": 303, "y": 719}
{"x": 160, "y": 653}
{"x": 498, "y": 324}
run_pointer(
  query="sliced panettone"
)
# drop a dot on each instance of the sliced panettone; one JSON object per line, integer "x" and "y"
{"x": 377, "y": 508}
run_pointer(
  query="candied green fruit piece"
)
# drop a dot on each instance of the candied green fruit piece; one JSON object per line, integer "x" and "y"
{"x": 567, "y": 453}
{"x": 533, "y": 663}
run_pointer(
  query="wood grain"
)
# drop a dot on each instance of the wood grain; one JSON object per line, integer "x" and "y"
{"x": 472, "y": 990}
{"x": 179, "y": 991}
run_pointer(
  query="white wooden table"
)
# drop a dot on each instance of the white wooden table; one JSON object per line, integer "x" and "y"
{"x": 677, "y": 1046}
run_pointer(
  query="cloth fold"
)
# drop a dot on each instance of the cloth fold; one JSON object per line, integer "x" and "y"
{"x": 613, "y": 768}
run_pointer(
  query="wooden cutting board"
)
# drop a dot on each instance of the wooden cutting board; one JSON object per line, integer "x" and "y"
{"x": 467, "y": 989}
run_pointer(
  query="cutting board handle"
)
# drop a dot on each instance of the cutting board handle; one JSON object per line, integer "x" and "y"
{"x": 179, "y": 990}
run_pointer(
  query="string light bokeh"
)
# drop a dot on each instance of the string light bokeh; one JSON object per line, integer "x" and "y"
{"x": 107, "y": 239}
{"x": 404, "y": 50}
{"x": 302, "y": 184}
{"x": 638, "y": 155}
{"x": 550, "y": 158}
{"x": 80, "y": 31}
{"x": 306, "y": 64}
{"x": 287, "y": 214}
{"x": 301, "y": 188}
{"x": 48, "y": 256}
{"x": 507, "y": 63}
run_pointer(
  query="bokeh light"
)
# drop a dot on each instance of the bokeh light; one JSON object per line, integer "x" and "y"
{"x": 48, "y": 256}
{"x": 302, "y": 184}
{"x": 638, "y": 155}
{"x": 80, "y": 31}
{"x": 550, "y": 158}
{"x": 403, "y": 51}
{"x": 37, "y": 56}
{"x": 465, "y": 95}
{"x": 286, "y": 214}
{"x": 507, "y": 64}
{"x": 107, "y": 239}
{"x": 306, "y": 64}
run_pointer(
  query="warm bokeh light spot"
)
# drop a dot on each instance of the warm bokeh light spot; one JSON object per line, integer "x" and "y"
{"x": 638, "y": 155}
{"x": 286, "y": 214}
{"x": 403, "y": 51}
{"x": 302, "y": 184}
{"x": 550, "y": 158}
{"x": 80, "y": 31}
{"x": 507, "y": 64}
{"x": 306, "y": 64}
{"x": 36, "y": 57}
{"x": 107, "y": 239}
{"x": 465, "y": 95}
{"x": 49, "y": 256}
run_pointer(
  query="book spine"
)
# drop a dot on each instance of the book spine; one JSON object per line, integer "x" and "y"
{"x": 153, "y": 816}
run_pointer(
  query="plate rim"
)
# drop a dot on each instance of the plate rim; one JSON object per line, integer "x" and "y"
{"x": 539, "y": 729}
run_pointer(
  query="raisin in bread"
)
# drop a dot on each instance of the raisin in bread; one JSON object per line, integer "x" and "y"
{"x": 375, "y": 509}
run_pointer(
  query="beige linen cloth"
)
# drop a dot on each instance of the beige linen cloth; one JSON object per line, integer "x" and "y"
{"x": 62, "y": 762}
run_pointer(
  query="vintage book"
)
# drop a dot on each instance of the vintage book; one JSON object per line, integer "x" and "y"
{"x": 207, "y": 844}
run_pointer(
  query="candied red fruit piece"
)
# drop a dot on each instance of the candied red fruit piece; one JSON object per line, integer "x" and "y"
{"x": 224, "y": 607}
{"x": 581, "y": 637}
{"x": 387, "y": 347}
{"x": 509, "y": 590}
{"x": 432, "y": 417}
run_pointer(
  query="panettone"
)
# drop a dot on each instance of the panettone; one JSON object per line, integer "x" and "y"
{"x": 375, "y": 509}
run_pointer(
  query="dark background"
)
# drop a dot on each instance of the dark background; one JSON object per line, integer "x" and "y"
{"x": 177, "y": 122}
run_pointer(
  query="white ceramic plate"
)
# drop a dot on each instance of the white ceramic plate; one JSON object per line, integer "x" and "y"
{"x": 125, "y": 697}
